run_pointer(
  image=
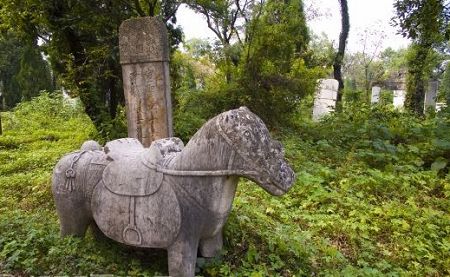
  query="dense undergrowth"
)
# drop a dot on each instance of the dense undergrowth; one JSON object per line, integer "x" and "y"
{"x": 371, "y": 199}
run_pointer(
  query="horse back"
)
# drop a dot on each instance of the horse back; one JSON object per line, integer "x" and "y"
{"x": 133, "y": 205}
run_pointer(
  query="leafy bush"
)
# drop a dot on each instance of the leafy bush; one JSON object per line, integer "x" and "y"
{"x": 371, "y": 199}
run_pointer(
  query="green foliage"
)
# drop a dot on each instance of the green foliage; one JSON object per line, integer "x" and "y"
{"x": 23, "y": 71}
{"x": 421, "y": 61}
{"x": 274, "y": 77}
{"x": 371, "y": 199}
{"x": 34, "y": 75}
{"x": 426, "y": 23}
{"x": 444, "y": 89}
{"x": 320, "y": 52}
{"x": 423, "y": 20}
{"x": 81, "y": 41}
{"x": 191, "y": 72}
{"x": 268, "y": 69}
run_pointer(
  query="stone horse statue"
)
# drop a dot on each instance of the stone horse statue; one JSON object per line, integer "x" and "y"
{"x": 169, "y": 196}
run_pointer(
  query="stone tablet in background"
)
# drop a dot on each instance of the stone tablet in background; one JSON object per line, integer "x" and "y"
{"x": 145, "y": 71}
{"x": 325, "y": 100}
{"x": 440, "y": 106}
{"x": 399, "y": 98}
{"x": 376, "y": 91}
{"x": 431, "y": 94}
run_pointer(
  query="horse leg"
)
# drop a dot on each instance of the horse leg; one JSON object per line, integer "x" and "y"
{"x": 73, "y": 217}
{"x": 209, "y": 247}
{"x": 182, "y": 256}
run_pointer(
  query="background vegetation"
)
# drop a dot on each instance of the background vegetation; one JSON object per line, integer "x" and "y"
{"x": 371, "y": 199}
{"x": 373, "y": 183}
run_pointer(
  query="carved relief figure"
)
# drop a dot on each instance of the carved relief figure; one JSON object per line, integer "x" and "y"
{"x": 169, "y": 196}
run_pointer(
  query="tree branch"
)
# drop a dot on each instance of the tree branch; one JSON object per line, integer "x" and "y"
{"x": 208, "y": 21}
{"x": 232, "y": 26}
{"x": 174, "y": 11}
{"x": 138, "y": 8}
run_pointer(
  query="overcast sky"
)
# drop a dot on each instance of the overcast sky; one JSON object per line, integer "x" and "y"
{"x": 373, "y": 15}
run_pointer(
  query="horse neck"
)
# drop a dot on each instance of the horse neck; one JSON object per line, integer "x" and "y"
{"x": 207, "y": 151}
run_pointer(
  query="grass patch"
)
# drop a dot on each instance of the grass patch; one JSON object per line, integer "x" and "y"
{"x": 371, "y": 199}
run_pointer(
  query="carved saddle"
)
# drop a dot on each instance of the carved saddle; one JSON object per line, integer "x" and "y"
{"x": 132, "y": 204}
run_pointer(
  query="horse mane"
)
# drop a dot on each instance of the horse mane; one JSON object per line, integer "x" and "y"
{"x": 206, "y": 149}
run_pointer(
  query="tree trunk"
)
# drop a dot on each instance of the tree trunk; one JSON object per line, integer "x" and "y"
{"x": 91, "y": 100}
{"x": 337, "y": 65}
{"x": 416, "y": 80}
{"x": 113, "y": 99}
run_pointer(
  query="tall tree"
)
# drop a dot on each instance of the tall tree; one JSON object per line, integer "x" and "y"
{"x": 81, "y": 40}
{"x": 23, "y": 70}
{"x": 270, "y": 62}
{"x": 445, "y": 85}
{"x": 34, "y": 75}
{"x": 426, "y": 22}
{"x": 272, "y": 74}
{"x": 10, "y": 53}
{"x": 228, "y": 20}
{"x": 366, "y": 61}
{"x": 337, "y": 65}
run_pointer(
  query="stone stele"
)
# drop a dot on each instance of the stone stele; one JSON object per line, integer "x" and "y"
{"x": 375, "y": 96}
{"x": 325, "y": 98}
{"x": 145, "y": 71}
{"x": 399, "y": 98}
{"x": 431, "y": 95}
{"x": 169, "y": 195}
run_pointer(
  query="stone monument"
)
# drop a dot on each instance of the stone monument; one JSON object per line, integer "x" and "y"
{"x": 169, "y": 195}
{"x": 375, "y": 98}
{"x": 440, "y": 106}
{"x": 399, "y": 98}
{"x": 325, "y": 99}
{"x": 145, "y": 71}
{"x": 431, "y": 95}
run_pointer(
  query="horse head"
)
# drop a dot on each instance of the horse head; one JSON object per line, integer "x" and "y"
{"x": 260, "y": 158}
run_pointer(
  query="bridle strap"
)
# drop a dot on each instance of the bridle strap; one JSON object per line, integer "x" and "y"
{"x": 228, "y": 171}
{"x": 199, "y": 173}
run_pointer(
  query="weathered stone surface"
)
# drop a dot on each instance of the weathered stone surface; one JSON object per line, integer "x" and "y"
{"x": 399, "y": 98}
{"x": 142, "y": 40}
{"x": 145, "y": 72}
{"x": 375, "y": 97}
{"x": 431, "y": 95}
{"x": 440, "y": 106}
{"x": 325, "y": 99}
{"x": 169, "y": 195}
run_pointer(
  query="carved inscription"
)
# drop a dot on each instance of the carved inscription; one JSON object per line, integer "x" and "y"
{"x": 144, "y": 59}
{"x": 143, "y": 40}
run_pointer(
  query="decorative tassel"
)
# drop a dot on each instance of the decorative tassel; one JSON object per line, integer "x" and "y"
{"x": 69, "y": 184}
{"x": 70, "y": 179}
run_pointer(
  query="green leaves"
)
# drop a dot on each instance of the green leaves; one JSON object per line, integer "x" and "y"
{"x": 439, "y": 164}
{"x": 371, "y": 199}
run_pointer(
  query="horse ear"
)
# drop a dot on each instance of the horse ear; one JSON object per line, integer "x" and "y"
{"x": 244, "y": 108}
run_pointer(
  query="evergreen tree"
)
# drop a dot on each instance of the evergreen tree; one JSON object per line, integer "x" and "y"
{"x": 34, "y": 74}
{"x": 81, "y": 40}
{"x": 23, "y": 70}
{"x": 426, "y": 23}
{"x": 445, "y": 84}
